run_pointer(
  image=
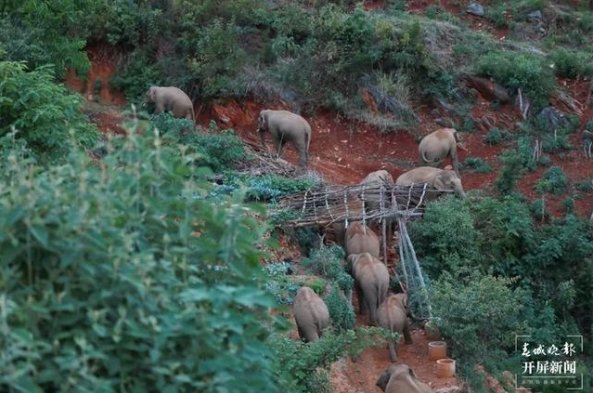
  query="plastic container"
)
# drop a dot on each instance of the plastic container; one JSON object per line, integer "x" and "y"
{"x": 437, "y": 350}
{"x": 445, "y": 368}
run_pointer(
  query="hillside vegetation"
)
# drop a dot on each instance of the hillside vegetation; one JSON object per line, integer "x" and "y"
{"x": 151, "y": 261}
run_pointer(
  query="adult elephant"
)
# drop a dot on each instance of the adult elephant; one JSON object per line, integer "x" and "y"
{"x": 172, "y": 99}
{"x": 285, "y": 126}
{"x": 359, "y": 239}
{"x": 371, "y": 281}
{"x": 440, "y": 179}
{"x": 435, "y": 147}
{"x": 400, "y": 378}
{"x": 310, "y": 313}
{"x": 392, "y": 315}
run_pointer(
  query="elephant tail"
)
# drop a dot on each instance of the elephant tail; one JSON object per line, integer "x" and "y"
{"x": 429, "y": 161}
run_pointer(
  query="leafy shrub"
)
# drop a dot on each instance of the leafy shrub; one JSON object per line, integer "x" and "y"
{"x": 327, "y": 262}
{"x": 340, "y": 309}
{"x": 571, "y": 64}
{"x": 217, "y": 59}
{"x": 270, "y": 187}
{"x": 279, "y": 284}
{"x": 466, "y": 308}
{"x": 42, "y": 34}
{"x": 496, "y": 136}
{"x": 445, "y": 239}
{"x": 116, "y": 278}
{"x": 538, "y": 209}
{"x": 553, "y": 181}
{"x": 584, "y": 186}
{"x": 477, "y": 164}
{"x": 299, "y": 364}
{"x": 44, "y": 113}
{"x": 510, "y": 172}
{"x": 519, "y": 71}
{"x": 218, "y": 150}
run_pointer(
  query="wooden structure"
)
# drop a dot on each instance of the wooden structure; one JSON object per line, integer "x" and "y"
{"x": 326, "y": 205}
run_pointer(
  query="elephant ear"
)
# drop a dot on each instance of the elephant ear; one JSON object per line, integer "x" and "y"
{"x": 440, "y": 182}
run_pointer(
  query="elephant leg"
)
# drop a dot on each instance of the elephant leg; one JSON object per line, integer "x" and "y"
{"x": 302, "y": 156}
{"x": 361, "y": 300}
{"x": 302, "y": 335}
{"x": 277, "y": 146}
{"x": 407, "y": 335}
{"x": 159, "y": 108}
{"x": 372, "y": 314}
{"x": 392, "y": 352}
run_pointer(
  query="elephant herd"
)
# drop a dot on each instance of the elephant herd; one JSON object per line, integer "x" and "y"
{"x": 362, "y": 245}
{"x": 287, "y": 127}
{"x": 371, "y": 282}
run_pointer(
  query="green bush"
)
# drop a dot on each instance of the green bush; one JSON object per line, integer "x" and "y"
{"x": 522, "y": 71}
{"x": 301, "y": 366}
{"x": 218, "y": 58}
{"x": 445, "y": 239}
{"x": 466, "y": 309}
{"x": 44, "y": 114}
{"x": 477, "y": 164}
{"x": 279, "y": 284}
{"x": 538, "y": 209}
{"x": 218, "y": 150}
{"x": 340, "y": 309}
{"x": 271, "y": 187}
{"x": 42, "y": 33}
{"x": 571, "y": 64}
{"x": 584, "y": 186}
{"x": 327, "y": 262}
{"x": 115, "y": 277}
{"x": 553, "y": 181}
{"x": 496, "y": 136}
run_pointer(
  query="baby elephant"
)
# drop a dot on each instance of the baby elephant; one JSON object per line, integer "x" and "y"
{"x": 360, "y": 238}
{"x": 400, "y": 378}
{"x": 310, "y": 313}
{"x": 285, "y": 127}
{"x": 371, "y": 280}
{"x": 172, "y": 99}
{"x": 392, "y": 315}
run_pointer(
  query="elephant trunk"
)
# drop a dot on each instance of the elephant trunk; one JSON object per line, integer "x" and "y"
{"x": 459, "y": 190}
{"x": 261, "y": 138}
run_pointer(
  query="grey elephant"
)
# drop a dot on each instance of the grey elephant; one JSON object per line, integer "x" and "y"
{"x": 371, "y": 280}
{"x": 400, "y": 378}
{"x": 435, "y": 147}
{"x": 360, "y": 238}
{"x": 285, "y": 126}
{"x": 392, "y": 315}
{"x": 310, "y": 313}
{"x": 377, "y": 178}
{"x": 440, "y": 179}
{"x": 172, "y": 99}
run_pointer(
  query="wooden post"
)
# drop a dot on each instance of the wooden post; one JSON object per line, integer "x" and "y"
{"x": 384, "y": 225}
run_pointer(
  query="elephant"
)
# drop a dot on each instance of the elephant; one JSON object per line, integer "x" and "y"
{"x": 371, "y": 279}
{"x": 436, "y": 146}
{"x": 360, "y": 238}
{"x": 392, "y": 315}
{"x": 285, "y": 127}
{"x": 173, "y": 99}
{"x": 400, "y": 378}
{"x": 377, "y": 178}
{"x": 310, "y": 313}
{"x": 440, "y": 179}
